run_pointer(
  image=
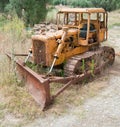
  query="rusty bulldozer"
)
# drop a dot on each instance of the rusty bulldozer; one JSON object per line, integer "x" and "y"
{"x": 74, "y": 50}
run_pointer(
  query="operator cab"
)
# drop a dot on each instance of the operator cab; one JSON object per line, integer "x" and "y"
{"x": 91, "y": 23}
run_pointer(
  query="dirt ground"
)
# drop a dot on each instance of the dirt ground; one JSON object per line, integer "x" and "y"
{"x": 101, "y": 110}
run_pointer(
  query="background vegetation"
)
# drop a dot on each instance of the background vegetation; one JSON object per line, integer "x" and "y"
{"x": 34, "y": 11}
{"x": 109, "y": 5}
{"x": 31, "y": 11}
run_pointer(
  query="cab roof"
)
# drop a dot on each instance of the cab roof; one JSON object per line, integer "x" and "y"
{"x": 82, "y": 10}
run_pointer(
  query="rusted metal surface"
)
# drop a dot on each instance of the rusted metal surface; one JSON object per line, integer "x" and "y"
{"x": 39, "y": 52}
{"x": 37, "y": 86}
{"x": 81, "y": 10}
{"x": 63, "y": 88}
{"x": 89, "y": 61}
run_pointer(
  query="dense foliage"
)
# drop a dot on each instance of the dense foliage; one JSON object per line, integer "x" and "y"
{"x": 3, "y": 4}
{"x": 31, "y": 11}
{"x": 109, "y": 5}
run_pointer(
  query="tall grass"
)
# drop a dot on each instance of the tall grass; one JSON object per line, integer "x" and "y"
{"x": 2, "y": 20}
{"x": 13, "y": 39}
{"x": 11, "y": 33}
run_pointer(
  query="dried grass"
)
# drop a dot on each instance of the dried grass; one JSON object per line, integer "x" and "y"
{"x": 17, "y": 99}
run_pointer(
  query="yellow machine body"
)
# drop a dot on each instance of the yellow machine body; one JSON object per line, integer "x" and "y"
{"x": 78, "y": 30}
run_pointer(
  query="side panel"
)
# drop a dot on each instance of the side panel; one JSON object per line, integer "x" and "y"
{"x": 102, "y": 35}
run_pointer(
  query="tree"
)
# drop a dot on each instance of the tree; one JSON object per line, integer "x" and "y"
{"x": 32, "y": 11}
{"x": 108, "y": 5}
{"x": 3, "y": 4}
{"x": 81, "y": 3}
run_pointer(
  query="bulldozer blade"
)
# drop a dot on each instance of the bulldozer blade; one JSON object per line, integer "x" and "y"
{"x": 37, "y": 86}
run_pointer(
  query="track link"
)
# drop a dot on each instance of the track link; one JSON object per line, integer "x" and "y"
{"x": 89, "y": 61}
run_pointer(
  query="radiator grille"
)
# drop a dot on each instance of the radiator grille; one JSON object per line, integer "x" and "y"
{"x": 39, "y": 52}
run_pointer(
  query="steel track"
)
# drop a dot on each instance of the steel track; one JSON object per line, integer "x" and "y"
{"x": 89, "y": 61}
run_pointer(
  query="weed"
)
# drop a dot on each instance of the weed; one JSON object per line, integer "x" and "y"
{"x": 83, "y": 65}
{"x": 3, "y": 20}
{"x": 116, "y": 24}
{"x": 36, "y": 67}
{"x": 92, "y": 67}
{"x": 2, "y": 115}
{"x": 2, "y": 106}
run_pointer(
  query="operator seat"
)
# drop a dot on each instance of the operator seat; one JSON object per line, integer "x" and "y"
{"x": 83, "y": 30}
